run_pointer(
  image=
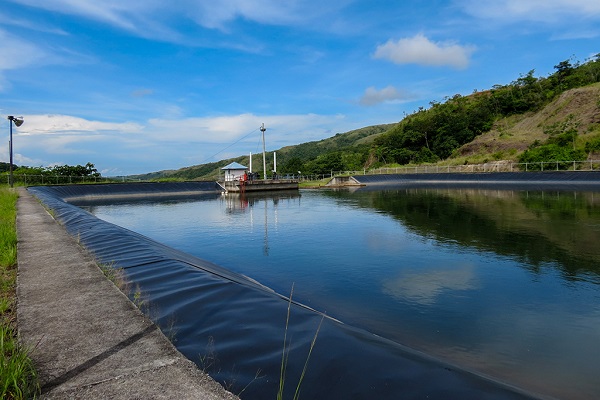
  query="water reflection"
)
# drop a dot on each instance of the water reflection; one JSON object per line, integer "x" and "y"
{"x": 424, "y": 287}
{"x": 501, "y": 282}
{"x": 249, "y": 202}
{"x": 538, "y": 228}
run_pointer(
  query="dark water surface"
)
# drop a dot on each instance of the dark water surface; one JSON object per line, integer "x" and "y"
{"x": 506, "y": 283}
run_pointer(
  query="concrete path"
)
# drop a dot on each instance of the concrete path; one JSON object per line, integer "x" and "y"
{"x": 89, "y": 340}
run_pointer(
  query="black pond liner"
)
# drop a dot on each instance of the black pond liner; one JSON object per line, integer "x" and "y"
{"x": 549, "y": 180}
{"x": 233, "y": 327}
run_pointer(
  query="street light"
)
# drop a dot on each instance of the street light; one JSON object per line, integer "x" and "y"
{"x": 18, "y": 121}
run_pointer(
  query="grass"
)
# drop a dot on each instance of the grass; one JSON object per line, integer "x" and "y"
{"x": 313, "y": 184}
{"x": 18, "y": 379}
{"x": 116, "y": 276}
{"x": 286, "y": 351}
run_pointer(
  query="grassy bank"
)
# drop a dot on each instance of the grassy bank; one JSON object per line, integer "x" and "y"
{"x": 17, "y": 375}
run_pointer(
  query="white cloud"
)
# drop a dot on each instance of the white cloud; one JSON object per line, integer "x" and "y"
{"x": 65, "y": 124}
{"x": 532, "y": 10}
{"x": 17, "y": 53}
{"x": 214, "y": 15}
{"x": 159, "y": 142}
{"x": 150, "y": 18}
{"x": 229, "y": 128}
{"x": 139, "y": 17}
{"x": 420, "y": 50}
{"x": 220, "y": 129}
{"x": 23, "y": 23}
{"x": 373, "y": 96}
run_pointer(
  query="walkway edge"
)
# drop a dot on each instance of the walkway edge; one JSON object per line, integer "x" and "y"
{"x": 87, "y": 339}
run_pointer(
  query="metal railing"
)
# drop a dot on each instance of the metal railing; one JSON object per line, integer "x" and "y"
{"x": 28, "y": 179}
{"x": 500, "y": 166}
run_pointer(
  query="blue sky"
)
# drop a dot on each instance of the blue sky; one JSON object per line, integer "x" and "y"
{"x": 142, "y": 86}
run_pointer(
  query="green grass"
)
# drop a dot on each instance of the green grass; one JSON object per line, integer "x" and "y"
{"x": 8, "y": 232}
{"x": 313, "y": 184}
{"x": 18, "y": 379}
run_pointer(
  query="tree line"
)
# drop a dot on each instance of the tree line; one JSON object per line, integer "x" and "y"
{"x": 87, "y": 170}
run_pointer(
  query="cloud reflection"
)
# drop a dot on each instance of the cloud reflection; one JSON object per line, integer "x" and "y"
{"x": 424, "y": 287}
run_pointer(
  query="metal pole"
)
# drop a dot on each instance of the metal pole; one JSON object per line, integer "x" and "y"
{"x": 263, "y": 129}
{"x": 10, "y": 150}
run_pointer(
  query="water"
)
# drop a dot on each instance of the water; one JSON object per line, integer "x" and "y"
{"x": 502, "y": 282}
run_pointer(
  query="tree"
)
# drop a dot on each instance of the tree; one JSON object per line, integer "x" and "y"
{"x": 292, "y": 166}
{"x": 87, "y": 170}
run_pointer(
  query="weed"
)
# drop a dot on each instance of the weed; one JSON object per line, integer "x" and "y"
{"x": 256, "y": 377}
{"x": 209, "y": 360}
{"x": 18, "y": 379}
{"x": 170, "y": 330}
{"x": 209, "y": 364}
{"x": 5, "y": 305}
{"x": 118, "y": 278}
{"x": 286, "y": 351}
{"x": 115, "y": 275}
{"x": 138, "y": 298}
{"x": 498, "y": 155}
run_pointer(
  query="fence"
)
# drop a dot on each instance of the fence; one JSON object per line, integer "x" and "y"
{"x": 501, "y": 166}
{"x": 27, "y": 179}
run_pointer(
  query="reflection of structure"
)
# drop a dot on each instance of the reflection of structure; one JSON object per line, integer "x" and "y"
{"x": 241, "y": 203}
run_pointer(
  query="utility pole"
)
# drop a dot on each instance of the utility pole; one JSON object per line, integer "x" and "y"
{"x": 18, "y": 121}
{"x": 263, "y": 129}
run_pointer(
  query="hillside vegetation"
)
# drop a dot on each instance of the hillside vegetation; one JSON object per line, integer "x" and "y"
{"x": 532, "y": 119}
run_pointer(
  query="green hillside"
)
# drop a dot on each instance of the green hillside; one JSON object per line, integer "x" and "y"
{"x": 553, "y": 118}
{"x": 290, "y": 159}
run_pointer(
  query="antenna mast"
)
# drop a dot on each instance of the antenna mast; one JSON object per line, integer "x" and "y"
{"x": 263, "y": 129}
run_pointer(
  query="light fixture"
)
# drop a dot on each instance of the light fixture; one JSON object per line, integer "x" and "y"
{"x": 18, "y": 121}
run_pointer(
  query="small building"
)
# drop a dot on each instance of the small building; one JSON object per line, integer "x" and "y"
{"x": 234, "y": 171}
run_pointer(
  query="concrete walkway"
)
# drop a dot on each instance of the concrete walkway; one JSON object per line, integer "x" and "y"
{"x": 89, "y": 340}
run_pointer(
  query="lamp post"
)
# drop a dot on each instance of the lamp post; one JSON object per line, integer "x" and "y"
{"x": 18, "y": 121}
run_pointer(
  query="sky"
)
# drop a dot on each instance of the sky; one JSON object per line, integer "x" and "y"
{"x": 143, "y": 86}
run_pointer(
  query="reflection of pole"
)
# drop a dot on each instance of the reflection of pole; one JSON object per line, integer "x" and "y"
{"x": 263, "y": 129}
{"x": 266, "y": 248}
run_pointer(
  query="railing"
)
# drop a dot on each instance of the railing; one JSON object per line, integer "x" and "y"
{"x": 27, "y": 179}
{"x": 501, "y": 166}
{"x": 588, "y": 165}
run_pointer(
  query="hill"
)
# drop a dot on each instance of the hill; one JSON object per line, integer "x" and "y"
{"x": 532, "y": 119}
{"x": 286, "y": 156}
{"x": 511, "y": 136}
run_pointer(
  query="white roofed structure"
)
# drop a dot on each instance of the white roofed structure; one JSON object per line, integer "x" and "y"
{"x": 234, "y": 171}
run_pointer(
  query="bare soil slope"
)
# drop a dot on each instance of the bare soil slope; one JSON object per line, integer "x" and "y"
{"x": 513, "y": 135}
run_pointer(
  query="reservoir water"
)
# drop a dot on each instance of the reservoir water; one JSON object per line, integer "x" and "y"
{"x": 502, "y": 282}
